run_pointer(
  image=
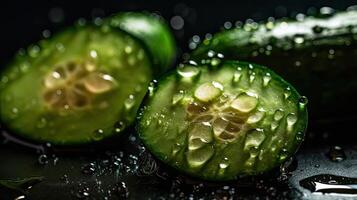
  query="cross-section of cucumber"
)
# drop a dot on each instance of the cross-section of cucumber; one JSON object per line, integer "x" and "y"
{"x": 82, "y": 85}
{"x": 223, "y": 122}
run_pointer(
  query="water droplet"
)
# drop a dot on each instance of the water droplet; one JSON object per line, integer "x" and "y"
{"x": 223, "y": 165}
{"x": 317, "y": 29}
{"x": 46, "y": 33}
{"x": 331, "y": 54}
{"x": 287, "y": 93}
{"x": 88, "y": 169}
{"x": 128, "y": 49}
{"x": 98, "y": 134}
{"x": 188, "y": 71}
{"x": 34, "y": 51}
{"x": 81, "y": 21}
{"x": 254, "y": 139}
{"x": 14, "y": 110}
{"x": 196, "y": 39}
{"x": 197, "y": 158}
{"x": 211, "y": 53}
{"x": 300, "y": 17}
{"x": 93, "y": 54}
{"x": 327, "y": 183}
{"x": 121, "y": 190}
{"x": 237, "y": 75}
{"x": 256, "y": 117}
{"x": 177, "y": 22}
{"x": 129, "y": 102}
{"x": 119, "y": 127}
{"x": 352, "y": 8}
{"x": 98, "y": 21}
{"x": 215, "y": 61}
{"x": 176, "y": 148}
{"x": 297, "y": 63}
{"x": 151, "y": 87}
{"x": 199, "y": 135}
{"x": 291, "y": 119}
{"x": 252, "y": 77}
{"x": 192, "y": 45}
{"x": 327, "y": 10}
{"x": 83, "y": 193}
{"x": 43, "y": 159}
{"x": 299, "y": 136}
{"x": 336, "y": 154}
{"x": 283, "y": 154}
{"x": 227, "y": 25}
{"x": 269, "y": 25}
{"x": 60, "y": 47}
{"x": 266, "y": 79}
{"x": 299, "y": 40}
{"x": 303, "y": 102}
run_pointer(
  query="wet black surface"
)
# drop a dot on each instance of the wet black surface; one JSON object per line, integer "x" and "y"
{"x": 127, "y": 171}
{"x": 122, "y": 169}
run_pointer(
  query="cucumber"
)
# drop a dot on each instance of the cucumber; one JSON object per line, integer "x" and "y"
{"x": 82, "y": 85}
{"x": 154, "y": 33}
{"x": 222, "y": 120}
{"x": 318, "y": 55}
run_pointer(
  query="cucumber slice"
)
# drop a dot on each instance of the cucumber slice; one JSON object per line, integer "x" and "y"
{"x": 153, "y": 32}
{"x": 84, "y": 84}
{"x": 317, "y": 55}
{"x": 219, "y": 123}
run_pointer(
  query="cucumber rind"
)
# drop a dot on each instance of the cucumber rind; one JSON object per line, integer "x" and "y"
{"x": 153, "y": 32}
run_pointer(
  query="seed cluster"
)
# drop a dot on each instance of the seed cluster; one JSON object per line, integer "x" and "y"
{"x": 214, "y": 115}
{"x": 227, "y": 116}
{"x": 73, "y": 85}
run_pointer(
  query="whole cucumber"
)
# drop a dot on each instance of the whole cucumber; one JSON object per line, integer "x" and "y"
{"x": 318, "y": 55}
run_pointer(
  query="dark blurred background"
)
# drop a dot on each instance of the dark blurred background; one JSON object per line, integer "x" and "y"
{"x": 25, "y": 22}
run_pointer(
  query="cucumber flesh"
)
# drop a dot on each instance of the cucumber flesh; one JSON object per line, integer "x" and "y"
{"x": 77, "y": 87}
{"x": 224, "y": 121}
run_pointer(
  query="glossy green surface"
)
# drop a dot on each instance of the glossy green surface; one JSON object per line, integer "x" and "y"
{"x": 76, "y": 87}
{"x": 315, "y": 54}
{"x": 153, "y": 32}
{"x": 224, "y": 121}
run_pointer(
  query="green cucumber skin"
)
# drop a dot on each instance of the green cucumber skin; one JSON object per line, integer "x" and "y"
{"x": 153, "y": 32}
{"x": 148, "y": 69}
{"x": 173, "y": 77}
{"x": 317, "y": 55}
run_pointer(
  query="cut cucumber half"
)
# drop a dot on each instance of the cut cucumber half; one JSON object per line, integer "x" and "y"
{"x": 222, "y": 122}
{"x": 83, "y": 85}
